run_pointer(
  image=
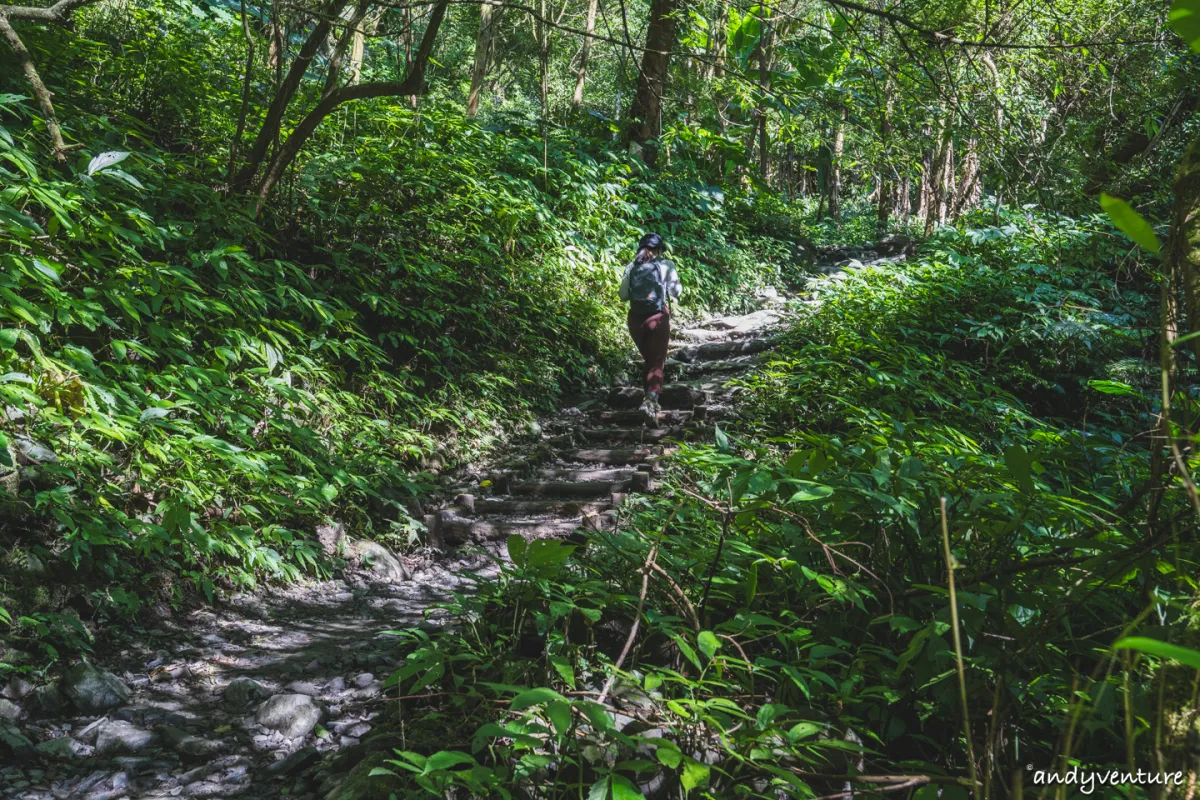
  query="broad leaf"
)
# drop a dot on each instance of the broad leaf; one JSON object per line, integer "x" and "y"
{"x": 1130, "y": 222}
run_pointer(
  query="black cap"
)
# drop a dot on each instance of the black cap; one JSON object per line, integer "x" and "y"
{"x": 651, "y": 241}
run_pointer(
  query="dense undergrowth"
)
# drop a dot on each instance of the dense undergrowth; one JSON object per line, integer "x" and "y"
{"x": 796, "y": 623}
{"x": 189, "y": 392}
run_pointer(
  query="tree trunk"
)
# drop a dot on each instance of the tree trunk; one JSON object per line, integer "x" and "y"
{"x": 970, "y": 190}
{"x": 764, "y": 85}
{"x": 1184, "y": 244}
{"x": 413, "y": 84}
{"x": 931, "y": 194}
{"x": 489, "y": 23}
{"x": 646, "y": 111}
{"x": 585, "y": 52}
{"x": 287, "y": 90}
{"x": 886, "y": 189}
{"x": 835, "y": 166}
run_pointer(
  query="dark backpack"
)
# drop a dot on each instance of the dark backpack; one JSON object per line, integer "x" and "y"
{"x": 647, "y": 294}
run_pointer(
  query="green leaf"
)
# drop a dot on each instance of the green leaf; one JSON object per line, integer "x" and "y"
{"x": 1130, "y": 222}
{"x": 1114, "y": 387}
{"x": 533, "y": 697}
{"x": 6, "y": 459}
{"x": 153, "y": 412}
{"x": 9, "y": 337}
{"x": 668, "y": 755}
{"x": 751, "y": 584}
{"x": 1154, "y": 647}
{"x": 1185, "y": 21}
{"x": 1018, "y": 461}
{"x": 564, "y": 669}
{"x": 624, "y": 789}
{"x": 559, "y": 713}
{"x": 809, "y": 491}
{"x": 708, "y": 642}
{"x": 516, "y": 549}
{"x": 446, "y": 759}
{"x": 802, "y": 730}
{"x": 686, "y": 649}
{"x": 694, "y": 774}
{"x": 722, "y": 439}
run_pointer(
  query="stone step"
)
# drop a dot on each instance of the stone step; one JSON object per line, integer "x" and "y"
{"x": 674, "y": 396}
{"x": 633, "y": 416}
{"x": 720, "y": 350}
{"x": 457, "y": 530}
{"x": 621, "y": 435}
{"x": 592, "y": 474}
{"x": 592, "y": 489}
{"x": 627, "y": 455}
{"x": 568, "y": 508}
{"x": 735, "y": 364}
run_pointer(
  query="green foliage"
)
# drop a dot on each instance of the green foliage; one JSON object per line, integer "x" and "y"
{"x": 801, "y": 621}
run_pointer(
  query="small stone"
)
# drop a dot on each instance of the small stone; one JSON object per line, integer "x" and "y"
{"x": 241, "y": 692}
{"x": 293, "y": 715}
{"x": 314, "y": 665}
{"x": 336, "y": 686}
{"x": 294, "y": 763}
{"x": 358, "y": 731}
{"x": 363, "y": 680}
{"x": 380, "y": 560}
{"x": 10, "y": 710}
{"x": 18, "y": 688}
{"x": 64, "y": 747}
{"x": 92, "y": 690}
{"x": 116, "y": 737}
{"x": 304, "y": 687}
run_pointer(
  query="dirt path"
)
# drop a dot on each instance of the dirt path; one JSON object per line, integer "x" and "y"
{"x": 258, "y": 696}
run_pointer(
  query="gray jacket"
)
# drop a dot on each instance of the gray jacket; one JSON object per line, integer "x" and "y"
{"x": 666, "y": 273}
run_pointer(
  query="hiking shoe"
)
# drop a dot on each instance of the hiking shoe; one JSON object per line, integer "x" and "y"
{"x": 649, "y": 410}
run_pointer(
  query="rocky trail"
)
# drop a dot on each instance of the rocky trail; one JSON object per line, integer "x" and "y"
{"x": 277, "y": 693}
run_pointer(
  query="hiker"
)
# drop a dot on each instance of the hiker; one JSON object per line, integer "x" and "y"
{"x": 649, "y": 282}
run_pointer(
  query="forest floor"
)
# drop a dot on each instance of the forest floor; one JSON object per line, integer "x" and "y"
{"x": 277, "y": 693}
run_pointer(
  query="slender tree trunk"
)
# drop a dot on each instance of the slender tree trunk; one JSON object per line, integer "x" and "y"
{"x": 931, "y": 195}
{"x": 358, "y": 50}
{"x": 585, "y": 52}
{"x": 413, "y": 84}
{"x": 58, "y": 147}
{"x": 247, "y": 77}
{"x": 1184, "y": 253}
{"x": 287, "y": 90}
{"x": 835, "y": 166}
{"x": 489, "y": 22}
{"x": 646, "y": 111}
{"x": 886, "y": 189}
{"x": 970, "y": 190}
{"x": 764, "y": 85}
{"x": 906, "y": 199}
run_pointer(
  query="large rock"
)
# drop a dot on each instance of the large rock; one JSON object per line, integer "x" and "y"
{"x": 381, "y": 561}
{"x": 92, "y": 690}
{"x": 241, "y": 692}
{"x": 293, "y": 715}
{"x": 195, "y": 748}
{"x": 13, "y": 742}
{"x": 62, "y": 748}
{"x": 10, "y": 710}
{"x": 118, "y": 737}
